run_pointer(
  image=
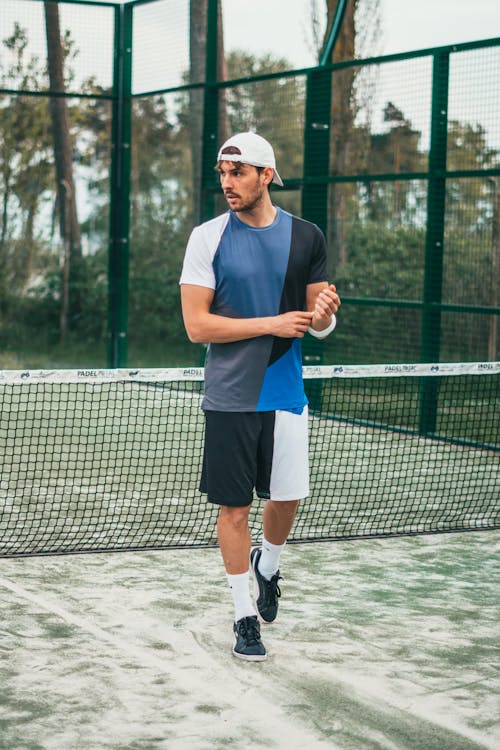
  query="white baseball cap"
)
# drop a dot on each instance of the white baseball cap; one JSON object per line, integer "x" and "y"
{"x": 250, "y": 148}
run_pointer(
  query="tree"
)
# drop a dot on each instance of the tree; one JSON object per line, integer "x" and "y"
{"x": 345, "y": 146}
{"x": 394, "y": 151}
{"x": 197, "y": 56}
{"x": 25, "y": 165}
{"x": 342, "y": 119}
{"x": 265, "y": 105}
{"x": 472, "y": 234}
{"x": 63, "y": 153}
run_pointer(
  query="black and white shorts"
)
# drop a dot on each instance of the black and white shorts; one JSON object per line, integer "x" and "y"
{"x": 265, "y": 452}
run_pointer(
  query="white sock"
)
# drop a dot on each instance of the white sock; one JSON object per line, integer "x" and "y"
{"x": 240, "y": 589}
{"x": 270, "y": 558}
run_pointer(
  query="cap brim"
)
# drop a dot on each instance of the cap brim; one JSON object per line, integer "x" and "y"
{"x": 277, "y": 179}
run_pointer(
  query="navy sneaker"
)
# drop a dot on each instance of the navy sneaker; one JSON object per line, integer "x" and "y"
{"x": 269, "y": 591}
{"x": 247, "y": 643}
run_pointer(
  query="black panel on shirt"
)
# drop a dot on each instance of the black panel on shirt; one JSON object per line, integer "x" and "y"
{"x": 306, "y": 265}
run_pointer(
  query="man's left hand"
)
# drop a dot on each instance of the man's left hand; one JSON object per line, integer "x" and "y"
{"x": 327, "y": 304}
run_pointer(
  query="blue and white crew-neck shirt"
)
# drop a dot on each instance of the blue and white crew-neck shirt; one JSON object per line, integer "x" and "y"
{"x": 255, "y": 272}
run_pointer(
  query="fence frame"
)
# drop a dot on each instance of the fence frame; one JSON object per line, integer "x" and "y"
{"x": 315, "y": 179}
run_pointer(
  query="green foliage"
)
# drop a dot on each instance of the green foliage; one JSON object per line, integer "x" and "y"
{"x": 274, "y": 108}
{"x": 383, "y": 222}
{"x": 384, "y": 263}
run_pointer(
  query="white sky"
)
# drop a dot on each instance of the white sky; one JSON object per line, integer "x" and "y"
{"x": 161, "y": 45}
{"x": 161, "y": 29}
{"x": 406, "y": 24}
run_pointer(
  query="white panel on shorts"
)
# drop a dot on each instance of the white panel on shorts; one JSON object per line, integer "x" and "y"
{"x": 290, "y": 470}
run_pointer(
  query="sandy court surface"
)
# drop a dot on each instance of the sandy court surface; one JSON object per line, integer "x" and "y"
{"x": 379, "y": 644}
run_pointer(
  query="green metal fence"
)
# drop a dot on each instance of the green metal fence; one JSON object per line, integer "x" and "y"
{"x": 396, "y": 158}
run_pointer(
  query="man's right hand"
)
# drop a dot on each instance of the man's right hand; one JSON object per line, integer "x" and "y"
{"x": 291, "y": 324}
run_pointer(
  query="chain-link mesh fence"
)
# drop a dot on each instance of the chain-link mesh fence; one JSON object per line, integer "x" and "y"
{"x": 110, "y": 117}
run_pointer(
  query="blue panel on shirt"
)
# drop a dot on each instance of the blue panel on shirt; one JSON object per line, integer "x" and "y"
{"x": 284, "y": 377}
{"x": 250, "y": 266}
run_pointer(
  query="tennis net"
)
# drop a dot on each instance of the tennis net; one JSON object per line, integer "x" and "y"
{"x": 96, "y": 460}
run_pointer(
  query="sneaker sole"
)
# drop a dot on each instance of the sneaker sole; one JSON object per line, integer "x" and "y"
{"x": 247, "y": 657}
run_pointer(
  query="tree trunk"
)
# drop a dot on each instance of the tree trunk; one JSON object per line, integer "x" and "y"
{"x": 197, "y": 55}
{"x": 63, "y": 157}
{"x": 341, "y": 128}
{"x": 5, "y": 201}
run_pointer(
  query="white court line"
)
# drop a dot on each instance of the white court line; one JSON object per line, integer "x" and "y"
{"x": 49, "y": 606}
{"x": 244, "y": 698}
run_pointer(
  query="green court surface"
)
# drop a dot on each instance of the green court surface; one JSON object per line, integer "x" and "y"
{"x": 387, "y": 644}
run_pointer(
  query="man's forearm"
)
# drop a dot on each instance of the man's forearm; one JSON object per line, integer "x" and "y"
{"x": 218, "y": 329}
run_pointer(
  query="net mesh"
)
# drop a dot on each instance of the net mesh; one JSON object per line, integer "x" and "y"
{"x": 110, "y": 460}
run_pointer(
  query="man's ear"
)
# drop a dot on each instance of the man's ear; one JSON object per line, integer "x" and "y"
{"x": 268, "y": 175}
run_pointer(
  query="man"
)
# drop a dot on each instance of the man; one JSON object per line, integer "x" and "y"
{"x": 253, "y": 283}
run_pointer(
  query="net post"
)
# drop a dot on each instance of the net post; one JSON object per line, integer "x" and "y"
{"x": 118, "y": 265}
{"x": 433, "y": 272}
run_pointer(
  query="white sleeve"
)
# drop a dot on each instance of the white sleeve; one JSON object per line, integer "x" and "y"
{"x": 201, "y": 247}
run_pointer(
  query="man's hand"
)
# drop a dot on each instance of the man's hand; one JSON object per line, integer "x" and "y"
{"x": 291, "y": 324}
{"x": 327, "y": 304}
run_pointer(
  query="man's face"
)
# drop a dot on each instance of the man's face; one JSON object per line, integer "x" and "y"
{"x": 244, "y": 187}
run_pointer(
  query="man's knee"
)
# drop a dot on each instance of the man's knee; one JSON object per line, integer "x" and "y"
{"x": 237, "y": 517}
{"x": 283, "y": 508}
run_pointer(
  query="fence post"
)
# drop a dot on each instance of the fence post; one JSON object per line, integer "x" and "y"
{"x": 120, "y": 188}
{"x": 315, "y": 194}
{"x": 210, "y": 114}
{"x": 317, "y": 138}
{"x": 434, "y": 245}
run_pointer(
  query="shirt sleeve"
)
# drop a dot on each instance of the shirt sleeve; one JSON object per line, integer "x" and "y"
{"x": 318, "y": 269}
{"x": 197, "y": 267}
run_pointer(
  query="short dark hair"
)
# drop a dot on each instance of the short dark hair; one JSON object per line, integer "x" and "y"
{"x": 259, "y": 169}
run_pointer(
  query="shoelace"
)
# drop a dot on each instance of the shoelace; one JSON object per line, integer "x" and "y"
{"x": 250, "y": 630}
{"x": 273, "y": 589}
{"x": 278, "y": 590}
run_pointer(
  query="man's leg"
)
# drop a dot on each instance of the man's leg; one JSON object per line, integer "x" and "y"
{"x": 234, "y": 538}
{"x": 235, "y": 542}
{"x": 277, "y": 519}
{"x": 288, "y": 478}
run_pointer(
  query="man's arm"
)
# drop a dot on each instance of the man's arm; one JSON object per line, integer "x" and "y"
{"x": 323, "y": 301}
{"x": 202, "y": 326}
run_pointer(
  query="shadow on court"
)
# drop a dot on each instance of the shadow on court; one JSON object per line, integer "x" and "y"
{"x": 389, "y": 644}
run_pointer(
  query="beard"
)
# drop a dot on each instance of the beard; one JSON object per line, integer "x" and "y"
{"x": 249, "y": 203}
